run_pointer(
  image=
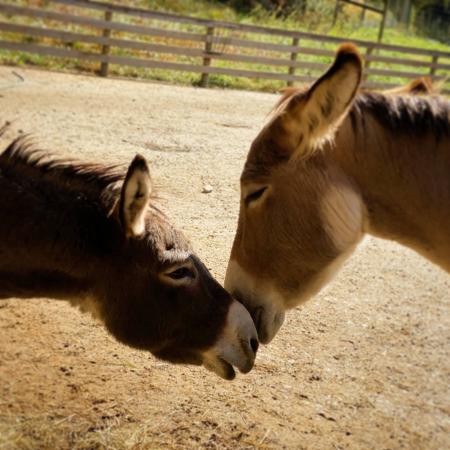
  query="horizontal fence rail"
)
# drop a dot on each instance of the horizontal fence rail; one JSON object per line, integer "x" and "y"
{"x": 96, "y": 32}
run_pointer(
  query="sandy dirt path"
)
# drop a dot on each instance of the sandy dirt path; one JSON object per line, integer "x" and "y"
{"x": 365, "y": 365}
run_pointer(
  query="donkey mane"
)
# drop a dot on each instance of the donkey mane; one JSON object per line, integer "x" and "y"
{"x": 403, "y": 113}
{"x": 399, "y": 113}
{"x": 24, "y": 163}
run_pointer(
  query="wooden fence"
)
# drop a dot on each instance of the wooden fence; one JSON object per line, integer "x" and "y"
{"x": 111, "y": 34}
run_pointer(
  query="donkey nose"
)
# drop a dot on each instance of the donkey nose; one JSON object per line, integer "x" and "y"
{"x": 254, "y": 344}
{"x": 249, "y": 345}
{"x": 247, "y": 337}
{"x": 237, "y": 345}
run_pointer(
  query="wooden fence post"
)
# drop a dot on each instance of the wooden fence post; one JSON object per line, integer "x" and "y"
{"x": 362, "y": 17}
{"x": 206, "y": 60}
{"x": 291, "y": 70}
{"x": 434, "y": 61}
{"x": 336, "y": 12}
{"x": 383, "y": 20}
{"x": 105, "y": 48}
{"x": 369, "y": 52}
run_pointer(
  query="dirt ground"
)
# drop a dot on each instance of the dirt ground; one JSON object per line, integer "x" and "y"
{"x": 365, "y": 365}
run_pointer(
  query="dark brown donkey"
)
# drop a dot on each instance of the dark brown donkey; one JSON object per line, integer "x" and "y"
{"x": 93, "y": 235}
{"x": 332, "y": 164}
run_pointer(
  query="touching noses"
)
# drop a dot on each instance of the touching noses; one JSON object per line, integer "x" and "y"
{"x": 247, "y": 336}
{"x": 243, "y": 337}
{"x": 254, "y": 344}
{"x": 262, "y": 301}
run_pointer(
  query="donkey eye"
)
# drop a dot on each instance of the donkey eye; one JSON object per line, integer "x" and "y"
{"x": 180, "y": 273}
{"x": 255, "y": 195}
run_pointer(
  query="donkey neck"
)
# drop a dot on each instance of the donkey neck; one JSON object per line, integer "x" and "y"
{"x": 397, "y": 152}
{"x": 54, "y": 231}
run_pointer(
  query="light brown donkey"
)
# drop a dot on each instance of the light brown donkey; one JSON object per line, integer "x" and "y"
{"x": 418, "y": 86}
{"x": 330, "y": 165}
{"x": 93, "y": 235}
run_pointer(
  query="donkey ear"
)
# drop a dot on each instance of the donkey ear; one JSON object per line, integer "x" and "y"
{"x": 315, "y": 114}
{"x": 134, "y": 197}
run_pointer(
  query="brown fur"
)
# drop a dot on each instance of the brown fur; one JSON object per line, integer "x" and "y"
{"x": 418, "y": 86}
{"x": 63, "y": 235}
{"x": 384, "y": 168}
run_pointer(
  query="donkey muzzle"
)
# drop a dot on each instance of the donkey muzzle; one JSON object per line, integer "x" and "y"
{"x": 268, "y": 321}
{"x": 236, "y": 346}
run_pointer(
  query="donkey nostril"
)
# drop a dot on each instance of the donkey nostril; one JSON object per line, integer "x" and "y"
{"x": 254, "y": 344}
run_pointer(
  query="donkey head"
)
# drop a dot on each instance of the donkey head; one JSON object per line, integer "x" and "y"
{"x": 154, "y": 293}
{"x": 299, "y": 215}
